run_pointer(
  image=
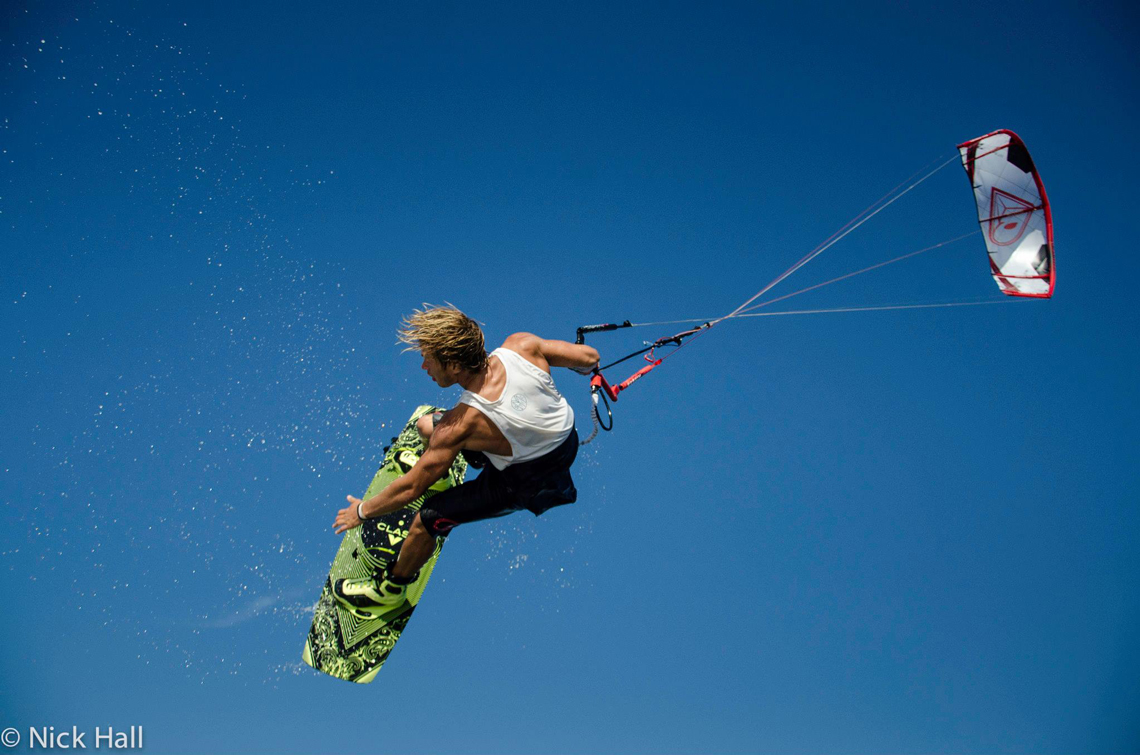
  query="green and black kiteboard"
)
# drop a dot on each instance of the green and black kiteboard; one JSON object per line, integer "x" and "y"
{"x": 354, "y": 647}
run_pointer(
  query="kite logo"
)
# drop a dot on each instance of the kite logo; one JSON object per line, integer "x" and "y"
{"x": 1009, "y": 217}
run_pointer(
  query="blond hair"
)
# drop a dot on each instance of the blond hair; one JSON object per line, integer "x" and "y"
{"x": 446, "y": 334}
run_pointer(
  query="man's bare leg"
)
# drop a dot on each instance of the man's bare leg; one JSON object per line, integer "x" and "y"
{"x": 420, "y": 544}
{"x": 415, "y": 552}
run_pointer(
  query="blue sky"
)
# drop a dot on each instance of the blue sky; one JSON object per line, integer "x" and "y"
{"x": 868, "y": 532}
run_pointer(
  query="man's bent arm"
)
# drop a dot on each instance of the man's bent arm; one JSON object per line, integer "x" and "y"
{"x": 432, "y": 466}
{"x": 565, "y": 354}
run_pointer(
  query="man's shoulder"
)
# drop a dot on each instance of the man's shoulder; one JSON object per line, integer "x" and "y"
{"x": 529, "y": 347}
{"x": 523, "y": 343}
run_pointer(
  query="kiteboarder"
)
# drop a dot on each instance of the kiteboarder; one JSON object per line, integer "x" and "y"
{"x": 510, "y": 418}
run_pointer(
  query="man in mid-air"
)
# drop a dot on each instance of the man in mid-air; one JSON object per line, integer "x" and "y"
{"x": 510, "y": 412}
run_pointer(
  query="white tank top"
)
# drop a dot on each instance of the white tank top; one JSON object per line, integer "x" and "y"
{"x": 531, "y": 413}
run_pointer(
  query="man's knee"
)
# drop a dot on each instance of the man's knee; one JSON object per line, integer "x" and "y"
{"x": 431, "y": 524}
{"x": 425, "y": 425}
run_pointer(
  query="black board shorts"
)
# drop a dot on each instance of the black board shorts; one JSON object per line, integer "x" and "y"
{"x": 536, "y": 485}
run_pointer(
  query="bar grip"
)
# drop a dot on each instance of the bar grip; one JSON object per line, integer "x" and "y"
{"x": 582, "y": 331}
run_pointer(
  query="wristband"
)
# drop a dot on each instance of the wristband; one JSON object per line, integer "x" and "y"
{"x": 360, "y": 512}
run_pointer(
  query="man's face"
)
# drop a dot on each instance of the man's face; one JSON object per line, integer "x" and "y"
{"x": 443, "y": 375}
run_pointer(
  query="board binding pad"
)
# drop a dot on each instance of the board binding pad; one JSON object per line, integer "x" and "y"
{"x": 352, "y": 647}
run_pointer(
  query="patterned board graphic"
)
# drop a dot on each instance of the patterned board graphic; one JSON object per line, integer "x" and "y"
{"x": 340, "y": 643}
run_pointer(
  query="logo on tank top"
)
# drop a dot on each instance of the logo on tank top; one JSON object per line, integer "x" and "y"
{"x": 518, "y": 402}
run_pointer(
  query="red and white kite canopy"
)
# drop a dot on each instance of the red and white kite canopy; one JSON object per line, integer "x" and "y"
{"x": 1013, "y": 212}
